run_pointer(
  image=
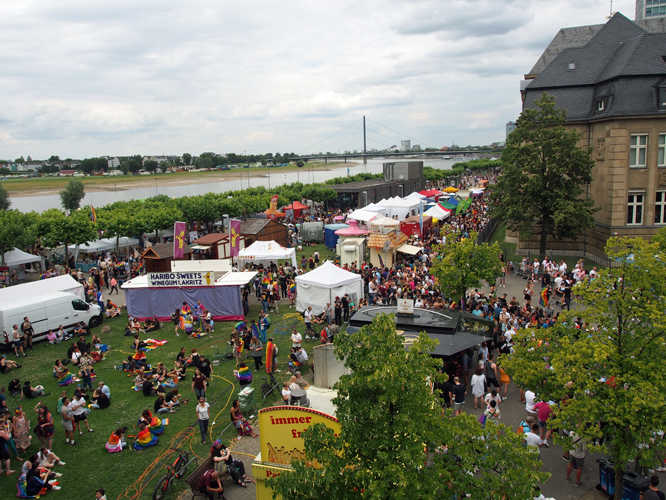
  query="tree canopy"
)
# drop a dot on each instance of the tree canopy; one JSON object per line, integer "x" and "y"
{"x": 608, "y": 372}
{"x": 72, "y": 195}
{"x": 540, "y": 189}
{"x": 54, "y": 228}
{"x": 464, "y": 264}
{"x": 395, "y": 443}
{"x": 5, "y": 202}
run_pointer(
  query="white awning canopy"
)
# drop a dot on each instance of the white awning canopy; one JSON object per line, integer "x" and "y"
{"x": 362, "y": 215}
{"x": 409, "y": 249}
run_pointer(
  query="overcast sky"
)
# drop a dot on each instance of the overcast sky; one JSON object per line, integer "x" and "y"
{"x": 87, "y": 78}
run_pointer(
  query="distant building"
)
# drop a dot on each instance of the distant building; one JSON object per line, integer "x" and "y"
{"x": 416, "y": 147}
{"x": 114, "y": 163}
{"x": 510, "y": 127}
{"x": 406, "y": 145}
{"x": 647, "y": 9}
{"x": 611, "y": 79}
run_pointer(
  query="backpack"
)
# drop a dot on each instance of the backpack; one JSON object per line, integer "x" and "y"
{"x": 268, "y": 322}
{"x": 523, "y": 428}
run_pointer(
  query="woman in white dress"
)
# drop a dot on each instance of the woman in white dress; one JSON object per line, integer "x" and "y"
{"x": 478, "y": 387}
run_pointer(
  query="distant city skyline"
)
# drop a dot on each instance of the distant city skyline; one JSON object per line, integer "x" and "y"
{"x": 84, "y": 80}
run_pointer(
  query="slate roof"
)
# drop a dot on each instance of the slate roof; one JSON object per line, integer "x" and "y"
{"x": 253, "y": 226}
{"x": 163, "y": 251}
{"x": 622, "y": 63}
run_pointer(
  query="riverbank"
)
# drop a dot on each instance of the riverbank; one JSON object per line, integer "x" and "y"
{"x": 45, "y": 186}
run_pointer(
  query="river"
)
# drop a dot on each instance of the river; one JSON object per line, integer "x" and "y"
{"x": 99, "y": 199}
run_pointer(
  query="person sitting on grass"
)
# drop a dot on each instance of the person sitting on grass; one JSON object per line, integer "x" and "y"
{"x": 112, "y": 310}
{"x": 100, "y": 400}
{"x": 116, "y": 441}
{"x": 148, "y": 387}
{"x": 7, "y": 364}
{"x": 151, "y": 324}
{"x": 161, "y": 406}
{"x": 145, "y": 438}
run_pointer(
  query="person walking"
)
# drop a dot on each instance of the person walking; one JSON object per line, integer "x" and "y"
{"x": 576, "y": 457}
{"x": 114, "y": 286}
{"x": 18, "y": 341}
{"x": 653, "y": 493}
{"x": 257, "y": 349}
{"x": 203, "y": 414}
{"x": 67, "y": 421}
{"x": 478, "y": 387}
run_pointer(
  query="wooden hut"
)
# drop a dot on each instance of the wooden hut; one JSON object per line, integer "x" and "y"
{"x": 217, "y": 245}
{"x": 263, "y": 230}
{"x": 159, "y": 256}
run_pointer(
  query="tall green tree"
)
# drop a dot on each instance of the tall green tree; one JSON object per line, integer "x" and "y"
{"x": 72, "y": 195}
{"x": 5, "y": 202}
{"x": 16, "y": 230}
{"x": 610, "y": 372}
{"x": 394, "y": 443}
{"x": 464, "y": 264}
{"x": 150, "y": 165}
{"x": 54, "y": 228}
{"x": 187, "y": 158}
{"x": 541, "y": 187}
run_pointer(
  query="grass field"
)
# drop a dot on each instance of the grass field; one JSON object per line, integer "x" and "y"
{"x": 89, "y": 466}
{"x": 17, "y": 185}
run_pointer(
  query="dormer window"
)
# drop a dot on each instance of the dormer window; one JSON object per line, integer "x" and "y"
{"x": 600, "y": 105}
{"x": 662, "y": 97}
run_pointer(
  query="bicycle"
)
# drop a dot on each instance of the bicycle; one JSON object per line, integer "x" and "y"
{"x": 177, "y": 470}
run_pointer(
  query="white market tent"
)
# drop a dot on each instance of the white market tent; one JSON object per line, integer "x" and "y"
{"x": 323, "y": 284}
{"x": 263, "y": 252}
{"x": 397, "y": 207}
{"x": 384, "y": 221}
{"x": 362, "y": 215}
{"x": 93, "y": 246}
{"x": 416, "y": 196}
{"x": 41, "y": 287}
{"x": 436, "y": 212}
{"x": 123, "y": 242}
{"x": 16, "y": 257}
{"x": 373, "y": 207}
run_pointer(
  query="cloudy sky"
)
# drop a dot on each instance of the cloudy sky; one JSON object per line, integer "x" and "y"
{"x": 81, "y": 78}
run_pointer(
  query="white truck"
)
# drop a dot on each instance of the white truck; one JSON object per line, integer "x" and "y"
{"x": 47, "y": 312}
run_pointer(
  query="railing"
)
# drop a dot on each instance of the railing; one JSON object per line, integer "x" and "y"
{"x": 587, "y": 256}
{"x": 487, "y": 232}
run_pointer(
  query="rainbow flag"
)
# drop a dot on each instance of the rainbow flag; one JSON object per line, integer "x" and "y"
{"x": 543, "y": 301}
{"x": 93, "y": 215}
{"x": 156, "y": 427}
{"x": 244, "y": 374}
{"x": 144, "y": 440}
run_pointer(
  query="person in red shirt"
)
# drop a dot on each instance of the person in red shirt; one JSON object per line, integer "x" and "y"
{"x": 209, "y": 484}
{"x": 544, "y": 411}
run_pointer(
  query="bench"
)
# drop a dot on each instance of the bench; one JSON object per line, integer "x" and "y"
{"x": 193, "y": 479}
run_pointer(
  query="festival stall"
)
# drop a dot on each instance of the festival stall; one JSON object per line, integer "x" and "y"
{"x": 353, "y": 230}
{"x": 362, "y": 215}
{"x": 438, "y": 213}
{"x": 265, "y": 252}
{"x": 219, "y": 245}
{"x": 350, "y": 251}
{"x": 435, "y": 194}
{"x": 160, "y": 294}
{"x": 411, "y": 226}
{"x": 383, "y": 224}
{"x": 398, "y": 208}
{"x": 15, "y": 258}
{"x": 330, "y": 238}
{"x": 297, "y": 207}
{"x": 158, "y": 257}
{"x": 323, "y": 284}
{"x": 374, "y": 207}
{"x": 383, "y": 246}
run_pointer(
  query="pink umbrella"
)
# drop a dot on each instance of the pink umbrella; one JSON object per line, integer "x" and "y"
{"x": 339, "y": 217}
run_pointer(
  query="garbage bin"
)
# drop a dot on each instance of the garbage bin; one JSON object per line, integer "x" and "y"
{"x": 606, "y": 476}
{"x": 633, "y": 485}
{"x": 246, "y": 399}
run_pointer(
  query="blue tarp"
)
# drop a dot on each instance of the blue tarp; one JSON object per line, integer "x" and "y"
{"x": 453, "y": 201}
{"x": 330, "y": 238}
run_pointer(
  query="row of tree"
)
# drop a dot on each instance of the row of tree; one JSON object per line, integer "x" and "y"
{"x": 74, "y": 225}
{"x": 435, "y": 174}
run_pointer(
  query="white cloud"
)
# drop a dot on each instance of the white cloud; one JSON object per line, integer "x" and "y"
{"x": 84, "y": 78}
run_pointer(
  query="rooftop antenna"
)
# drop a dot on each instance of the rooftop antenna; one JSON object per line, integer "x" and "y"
{"x": 611, "y": 13}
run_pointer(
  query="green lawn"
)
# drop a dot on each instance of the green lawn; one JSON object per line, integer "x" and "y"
{"x": 118, "y": 471}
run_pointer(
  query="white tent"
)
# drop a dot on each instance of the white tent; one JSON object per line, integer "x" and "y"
{"x": 94, "y": 246}
{"x": 123, "y": 242}
{"x": 384, "y": 221}
{"x": 397, "y": 207}
{"x": 28, "y": 290}
{"x": 323, "y": 284}
{"x": 263, "y": 252}
{"x": 16, "y": 257}
{"x": 437, "y": 212}
{"x": 416, "y": 196}
{"x": 373, "y": 207}
{"x": 362, "y": 215}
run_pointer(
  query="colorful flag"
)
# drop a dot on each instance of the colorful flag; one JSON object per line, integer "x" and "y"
{"x": 179, "y": 229}
{"x": 93, "y": 215}
{"x": 543, "y": 301}
{"x": 273, "y": 207}
{"x": 234, "y": 235}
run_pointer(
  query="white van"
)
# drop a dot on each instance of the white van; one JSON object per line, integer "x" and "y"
{"x": 47, "y": 312}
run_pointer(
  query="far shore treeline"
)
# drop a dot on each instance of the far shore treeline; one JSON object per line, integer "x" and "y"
{"x": 55, "y": 227}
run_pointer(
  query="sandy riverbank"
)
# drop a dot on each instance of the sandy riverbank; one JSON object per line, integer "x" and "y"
{"x": 44, "y": 186}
